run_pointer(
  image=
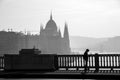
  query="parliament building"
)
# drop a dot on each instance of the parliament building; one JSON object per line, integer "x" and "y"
{"x": 51, "y": 40}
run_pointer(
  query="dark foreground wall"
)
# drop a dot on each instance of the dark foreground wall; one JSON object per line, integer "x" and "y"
{"x": 30, "y": 62}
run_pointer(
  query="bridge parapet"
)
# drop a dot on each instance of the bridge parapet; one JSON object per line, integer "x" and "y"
{"x": 96, "y": 61}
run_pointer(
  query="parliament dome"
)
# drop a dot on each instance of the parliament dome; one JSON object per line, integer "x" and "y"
{"x": 51, "y": 25}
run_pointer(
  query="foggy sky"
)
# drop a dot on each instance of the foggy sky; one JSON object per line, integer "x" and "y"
{"x": 91, "y": 18}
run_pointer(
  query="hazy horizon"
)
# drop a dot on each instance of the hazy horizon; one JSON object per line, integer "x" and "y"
{"x": 88, "y": 18}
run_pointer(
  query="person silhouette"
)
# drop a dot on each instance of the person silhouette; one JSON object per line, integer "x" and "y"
{"x": 85, "y": 57}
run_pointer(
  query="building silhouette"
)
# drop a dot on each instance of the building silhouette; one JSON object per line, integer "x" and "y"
{"x": 51, "y": 40}
{"x": 48, "y": 41}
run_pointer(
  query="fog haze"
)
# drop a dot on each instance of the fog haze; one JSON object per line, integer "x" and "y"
{"x": 90, "y": 18}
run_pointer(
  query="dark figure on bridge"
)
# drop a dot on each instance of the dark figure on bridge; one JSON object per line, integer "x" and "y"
{"x": 85, "y": 57}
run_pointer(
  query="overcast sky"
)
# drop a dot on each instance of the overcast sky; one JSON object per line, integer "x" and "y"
{"x": 90, "y": 18}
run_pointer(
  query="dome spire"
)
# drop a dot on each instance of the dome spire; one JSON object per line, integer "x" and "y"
{"x": 51, "y": 16}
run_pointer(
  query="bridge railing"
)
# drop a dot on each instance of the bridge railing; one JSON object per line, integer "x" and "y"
{"x": 96, "y": 61}
{"x": 75, "y": 61}
{"x": 109, "y": 61}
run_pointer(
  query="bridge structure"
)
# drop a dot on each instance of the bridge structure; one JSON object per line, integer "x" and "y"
{"x": 100, "y": 66}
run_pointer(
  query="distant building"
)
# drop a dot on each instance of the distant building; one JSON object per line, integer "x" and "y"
{"x": 49, "y": 40}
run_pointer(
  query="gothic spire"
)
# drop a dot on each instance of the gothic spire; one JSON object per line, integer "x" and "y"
{"x": 66, "y": 34}
{"x": 59, "y": 33}
{"x": 51, "y": 16}
{"x": 66, "y": 39}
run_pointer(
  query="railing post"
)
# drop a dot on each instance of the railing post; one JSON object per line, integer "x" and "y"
{"x": 56, "y": 62}
{"x": 96, "y": 62}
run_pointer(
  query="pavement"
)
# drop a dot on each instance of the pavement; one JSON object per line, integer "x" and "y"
{"x": 61, "y": 74}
